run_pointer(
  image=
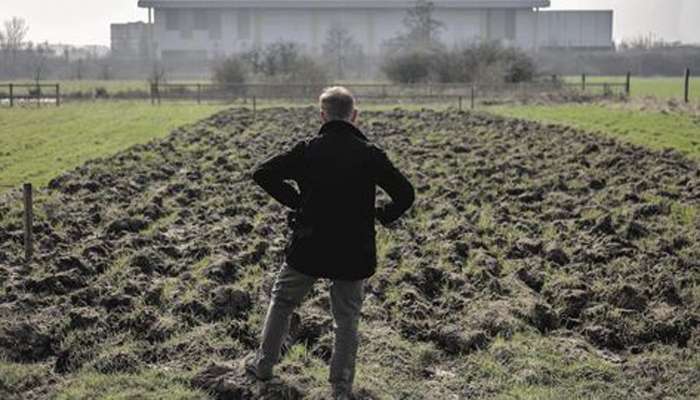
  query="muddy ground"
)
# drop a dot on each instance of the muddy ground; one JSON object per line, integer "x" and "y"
{"x": 536, "y": 258}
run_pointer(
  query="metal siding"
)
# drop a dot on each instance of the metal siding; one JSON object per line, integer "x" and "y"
{"x": 392, "y": 4}
{"x": 371, "y": 28}
{"x": 584, "y": 29}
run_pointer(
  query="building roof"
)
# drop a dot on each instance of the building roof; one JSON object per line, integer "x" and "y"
{"x": 339, "y": 3}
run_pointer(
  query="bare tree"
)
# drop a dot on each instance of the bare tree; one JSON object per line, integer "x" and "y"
{"x": 105, "y": 69}
{"x": 422, "y": 30}
{"x": 12, "y": 40}
{"x": 422, "y": 27}
{"x": 16, "y": 30}
{"x": 157, "y": 75}
{"x": 79, "y": 70}
{"x": 39, "y": 62}
{"x": 342, "y": 48}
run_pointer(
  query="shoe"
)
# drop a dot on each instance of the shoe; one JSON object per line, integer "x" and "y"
{"x": 250, "y": 364}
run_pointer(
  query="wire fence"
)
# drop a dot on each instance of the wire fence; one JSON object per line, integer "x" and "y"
{"x": 458, "y": 94}
{"x": 38, "y": 94}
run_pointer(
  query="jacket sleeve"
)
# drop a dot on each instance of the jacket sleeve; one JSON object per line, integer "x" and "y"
{"x": 272, "y": 174}
{"x": 395, "y": 184}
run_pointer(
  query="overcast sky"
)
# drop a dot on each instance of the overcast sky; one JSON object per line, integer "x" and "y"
{"x": 82, "y": 22}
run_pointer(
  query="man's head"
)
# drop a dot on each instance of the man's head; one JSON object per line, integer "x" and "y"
{"x": 337, "y": 104}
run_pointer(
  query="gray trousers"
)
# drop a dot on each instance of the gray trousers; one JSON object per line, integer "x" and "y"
{"x": 288, "y": 292}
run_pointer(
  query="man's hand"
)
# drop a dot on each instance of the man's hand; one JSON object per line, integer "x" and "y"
{"x": 395, "y": 184}
{"x": 272, "y": 175}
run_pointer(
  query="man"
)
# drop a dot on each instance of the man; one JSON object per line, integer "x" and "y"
{"x": 333, "y": 229}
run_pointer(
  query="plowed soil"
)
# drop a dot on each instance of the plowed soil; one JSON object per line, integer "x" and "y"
{"x": 163, "y": 256}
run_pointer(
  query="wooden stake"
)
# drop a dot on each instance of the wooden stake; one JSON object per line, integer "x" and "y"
{"x": 628, "y": 84}
{"x": 28, "y": 223}
{"x": 12, "y": 95}
{"x": 473, "y": 95}
{"x": 58, "y": 95}
{"x": 687, "y": 85}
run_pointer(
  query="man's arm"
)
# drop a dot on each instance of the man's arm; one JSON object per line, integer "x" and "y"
{"x": 272, "y": 174}
{"x": 395, "y": 184}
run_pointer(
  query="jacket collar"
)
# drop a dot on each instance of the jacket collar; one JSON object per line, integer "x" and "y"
{"x": 342, "y": 126}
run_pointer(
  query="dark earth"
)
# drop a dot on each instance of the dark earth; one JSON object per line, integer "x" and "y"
{"x": 531, "y": 248}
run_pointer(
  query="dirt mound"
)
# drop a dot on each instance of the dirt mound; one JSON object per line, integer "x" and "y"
{"x": 233, "y": 382}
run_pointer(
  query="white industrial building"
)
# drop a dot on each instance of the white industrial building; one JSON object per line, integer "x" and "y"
{"x": 207, "y": 29}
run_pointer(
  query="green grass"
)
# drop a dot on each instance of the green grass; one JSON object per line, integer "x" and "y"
{"x": 660, "y": 87}
{"x": 16, "y": 377}
{"x": 39, "y": 144}
{"x": 149, "y": 384}
{"x": 653, "y": 129}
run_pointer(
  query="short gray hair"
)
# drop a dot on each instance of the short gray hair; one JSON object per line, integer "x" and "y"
{"x": 337, "y": 103}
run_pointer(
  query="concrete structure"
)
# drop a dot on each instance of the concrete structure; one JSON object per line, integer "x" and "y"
{"x": 132, "y": 40}
{"x": 205, "y": 29}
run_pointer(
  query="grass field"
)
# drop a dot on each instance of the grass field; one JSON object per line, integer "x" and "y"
{"x": 514, "y": 276}
{"x": 38, "y": 144}
{"x": 653, "y": 129}
{"x": 660, "y": 87}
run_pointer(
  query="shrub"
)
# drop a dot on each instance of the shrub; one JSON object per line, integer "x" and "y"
{"x": 283, "y": 62}
{"x": 306, "y": 70}
{"x": 101, "y": 93}
{"x": 521, "y": 67}
{"x": 410, "y": 67}
{"x": 230, "y": 71}
{"x": 484, "y": 62}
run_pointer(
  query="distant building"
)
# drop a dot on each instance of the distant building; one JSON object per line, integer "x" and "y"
{"x": 131, "y": 40}
{"x": 206, "y": 29}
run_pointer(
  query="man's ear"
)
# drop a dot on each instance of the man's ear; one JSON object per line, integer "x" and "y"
{"x": 323, "y": 117}
{"x": 354, "y": 116}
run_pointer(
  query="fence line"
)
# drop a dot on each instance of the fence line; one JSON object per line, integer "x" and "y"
{"x": 33, "y": 91}
{"x": 371, "y": 91}
{"x": 14, "y": 93}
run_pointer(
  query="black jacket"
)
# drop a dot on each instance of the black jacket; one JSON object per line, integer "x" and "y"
{"x": 333, "y": 226}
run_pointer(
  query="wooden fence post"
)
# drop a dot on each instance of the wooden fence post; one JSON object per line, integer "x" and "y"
{"x": 28, "y": 223}
{"x": 473, "y": 95}
{"x": 199, "y": 93}
{"x": 460, "y": 103}
{"x": 628, "y": 84}
{"x": 58, "y": 95}
{"x": 153, "y": 99}
{"x": 255, "y": 106}
{"x": 12, "y": 95}
{"x": 583, "y": 82}
{"x": 687, "y": 85}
